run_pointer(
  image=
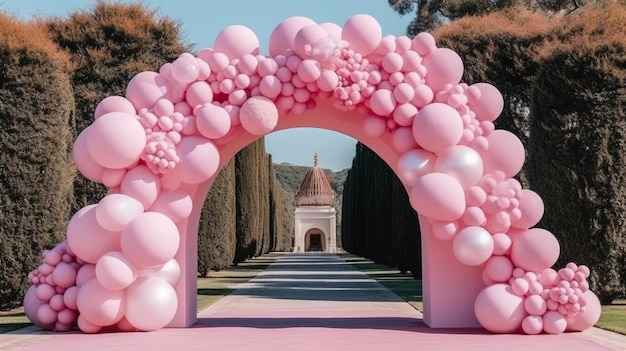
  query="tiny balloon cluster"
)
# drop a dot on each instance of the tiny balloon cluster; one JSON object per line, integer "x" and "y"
{"x": 118, "y": 270}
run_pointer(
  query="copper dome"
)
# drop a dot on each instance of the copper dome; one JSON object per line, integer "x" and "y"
{"x": 315, "y": 189}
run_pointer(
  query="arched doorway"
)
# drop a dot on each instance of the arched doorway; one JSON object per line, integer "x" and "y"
{"x": 160, "y": 147}
{"x": 315, "y": 241}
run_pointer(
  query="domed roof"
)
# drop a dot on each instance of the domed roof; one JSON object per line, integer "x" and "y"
{"x": 315, "y": 189}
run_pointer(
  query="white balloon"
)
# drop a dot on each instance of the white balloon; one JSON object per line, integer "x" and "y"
{"x": 414, "y": 164}
{"x": 461, "y": 162}
{"x": 151, "y": 303}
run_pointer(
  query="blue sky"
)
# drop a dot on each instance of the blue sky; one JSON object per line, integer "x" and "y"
{"x": 203, "y": 20}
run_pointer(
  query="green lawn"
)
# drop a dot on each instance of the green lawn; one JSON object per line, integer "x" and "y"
{"x": 211, "y": 288}
{"x": 613, "y": 316}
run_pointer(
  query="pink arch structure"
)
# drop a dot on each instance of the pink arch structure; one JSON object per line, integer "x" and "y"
{"x": 130, "y": 261}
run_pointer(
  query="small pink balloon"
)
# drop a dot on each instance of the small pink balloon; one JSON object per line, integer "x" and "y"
{"x": 309, "y": 70}
{"x": 531, "y": 208}
{"x": 283, "y": 36}
{"x": 382, "y": 102}
{"x": 474, "y": 216}
{"x": 236, "y": 41}
{"x": 87, "y": 238}
{"x": 151, "y": 239}
{"x": 99, "y": 305}
{"x": 45, "y": 292}
{"x": 175, "y": 204}
{"x": 56, "y": 303}
{"x": 392, "y": 62}
{"x": 403, "y": 93}
{"x": 535, "y": 250}
{"x": 363, "y": 33}
{"x": 184, "y": 69}
{"x": 438, "y": 196}
{"x": 64, "y": 275}
{"x": 402, "y": 140}
{"x": 199, "y": 93}
{"x": 212, "y": 121}
{"x": 554, "y": 322}
{"x": 413, "y": 164}
{"x": 505, "y": 152}
{"x": 114, "y": 104}
{"x": 443, "y": 66}
{"x": 69, "y": 297}
{"x": 501, "y": 243}
{"x": 424, "y": 43}
{"x": 437, "y": 127}
{"x": 199, "y": 160}
{"x": 114, "y": 211}
{"x": 412, "y": 61}
{"x": 258, "y": 115}
{"x": 536, "y": 305}
{"x": 116, "y": 140}
{"x": 170, "y": 272}
{"x": 472, "y": 246}
{"x": 499, "y": 269}
{"x": 46, "y": 314}
{"x": 499, "y": 310}
{"x": 422, "y": 96}
{"x": 328, "y": 80}
{"x": 404, "y": 114}
{"x": 31, "y": 307}
{"x": 85, "y": 273}
{"x": 532, "y": 325}
{"x": 270, "y": 86}
{"x": 87, "y": 327}
{"x": 444, "y": 230}
{"x": 114, "y": 271}
{"x": 488, "y": 104}
{"x": 67, "y": 316}
{"x": 145, "y": 89}
{"x": 52, "y": 257}
{"x": 142, "y": 184}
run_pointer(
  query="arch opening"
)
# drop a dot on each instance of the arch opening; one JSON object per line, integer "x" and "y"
{"x": 160, "y": 147}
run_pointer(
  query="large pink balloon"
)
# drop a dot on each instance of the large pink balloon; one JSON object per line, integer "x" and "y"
{"x": 116, "y": 140}
{"x": 438, "y": 196}
{"x": 114, "y": 271}
{"x": 472, "y": 246}
{"x": 258, "y": 115}
{"x": 306, "y": 38}
{"x": 86, "y": 165}
{"x": 415, "y": 163}
{"x": 236, "y": 41}
{"x": 213, "y": 121}
{"x": 151, "y": 239}
{"x": 489, "y": 104}
{"x": 145, "y": 89}
{"x": 363, "y": 33}
{"x": 31, "y": 306}
{"x": 443, "y": 66}
{"x": 505, "y": 152}
{"x": 142, "y": 184}
{"x": 499, "y": 310}
{"x": 283, "y": 36}
{"x": 175, "y": 204}
{"x": 199, "y": 160}
{"x": 531, "y": 207}
{"x": 591, "y": 315}
{"x": 87, "y": 239}
{"x": 437, "y": 127}
{"x": 114, "y": 211}
{"x": 461, "y": 162}
{"x": 151, "y": 304}
{"x": 99, "y": 305}
{"x": 535, "y": 250}
{"x": 114, "y": 104}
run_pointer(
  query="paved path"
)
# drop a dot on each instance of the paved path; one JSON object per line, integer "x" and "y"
{"x": 310, "y": 302}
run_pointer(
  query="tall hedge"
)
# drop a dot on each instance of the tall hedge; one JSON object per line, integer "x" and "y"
{"x": 216, "y": 230}
{"x": 36, "y": 112}
{"x": 108, "y": 45}
{"x": 247, "y": 202}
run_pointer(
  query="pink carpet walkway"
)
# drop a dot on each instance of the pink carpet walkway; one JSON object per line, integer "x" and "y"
{"x": 310, "y": 302}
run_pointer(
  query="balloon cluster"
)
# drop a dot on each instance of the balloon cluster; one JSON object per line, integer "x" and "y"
{"x": 50, "y": 302}
{"x": 152, "y": 146}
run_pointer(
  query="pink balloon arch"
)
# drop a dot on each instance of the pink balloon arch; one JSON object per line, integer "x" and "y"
{"x": 129, "y": 261}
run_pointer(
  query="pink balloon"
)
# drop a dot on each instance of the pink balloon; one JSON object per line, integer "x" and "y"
{"x": 501, "y": 243}
{"x": 461, "y": 162}
{"x": 488, "y": 104}
{"x": 328, "y": 80}
{"x": 413, "y": 164}
{"x": 283, "y": 36}
{"x": 437, "y": 127}
{"x": 116, "y": 140}
{"x": 175, "y": 204}
{"x": 236, "y": 41}
{"x": 258, "y": 115}
{"x": 87, "y": 327}
{"x": 152, "y": 303}
{"x": 363, "y": 33}
{"x": 402, "y": 140}
{"x": 403, "y": 93}
{"x": 309, "y": 70}
{"x": 145, "y": 89}
{"x": 532, "y": 325}
{"x": 64, "y": 275}
{"x": 212, "y": 121}
{"x": 382, "y": 102}
{"x": 87, "y": 239}
{"x": 112, "y": 177}
{"x": 142, "y": 184}
{"x": 199, "y": 93}
{"x": 438, "y": 196}
{"x": 114, "y": 271}
{"x": 423, "y": 43}
{"x": 505, "y": 152}
{"x": 443, "y": 66}
{"x": 531, "y": 207}
{"x": 270, "y": 86}
{"x": 404, "y": 114}
{"x": 185, "y": 69}
{"x": 99, "y": 305}
{"x": 199, "y": 160}
{"x": 83, "y": 160}
{"x": 170, "y": 272}
{"x": 333, "y": 30}
{"x": 114, "y": 211}
{"x": 56, "y": 303}
{"x": 412, "y": 61}
{"x": 423, "y": 95}
{"x": 306, "y": 38}
{"x": 499, "y": 269}
{"x": 472, "y": 246}
{"x": 374, "y": 126}
{"x": 67, "y": 316}
{"x": 85, "y": 274}
{"x": 32, "y": 303}
{"x": 69, "y": 297}
{"x": 392, "y": 62}
{"x": 590, "y": 316}
{"x": 536, "y": 305}
{"x": 46, "y": 315}
{"x": 151, "y": 239}
{"x": 444, "y": 230}
{"x": 499, "y": 310}
{"x": 114, "y": 104}
{"x": 535, "y": 250}
{"x": 554, "y": 322}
